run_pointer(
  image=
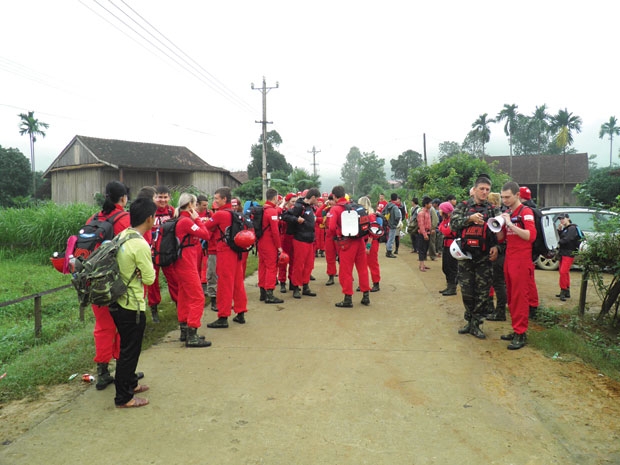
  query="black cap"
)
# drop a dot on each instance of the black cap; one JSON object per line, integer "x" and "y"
{"x": 563, "y": 215}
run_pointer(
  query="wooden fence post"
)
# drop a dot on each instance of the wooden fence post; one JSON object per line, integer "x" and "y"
{"x": 38, "y": 324}
{"x": 582, "y": 293}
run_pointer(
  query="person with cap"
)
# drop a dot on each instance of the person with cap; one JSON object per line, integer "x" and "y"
{"x": 569, "y": 242}
{"x": 519, "y": 232}
{"x": 372, "y": 247}
{"x": 449, "y": 264}
{"x": 403, "y": 216}
{"x": 469, "y": 222}
{"x": 319, "y": 229}
{"x": 286, "y": 239}
{"x": 269, "y": 249}
{"x": 525, "y": 197}
{"x": 392, "y": 214}
{"x": 331, "y": 253}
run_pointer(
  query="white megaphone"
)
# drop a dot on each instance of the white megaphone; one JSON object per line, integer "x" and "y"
{"x": 496, "y": 224}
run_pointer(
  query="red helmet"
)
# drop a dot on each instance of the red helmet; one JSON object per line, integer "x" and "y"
{"x": 283, "y": 259}
{"x": 376, "y": 230}
{"x": 245, "y": 239}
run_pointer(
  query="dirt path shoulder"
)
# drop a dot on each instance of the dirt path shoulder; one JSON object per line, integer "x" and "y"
{"x": 306, "y": 383}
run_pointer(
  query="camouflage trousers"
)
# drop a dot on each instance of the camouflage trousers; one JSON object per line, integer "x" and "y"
{"x": 475, "y": 278}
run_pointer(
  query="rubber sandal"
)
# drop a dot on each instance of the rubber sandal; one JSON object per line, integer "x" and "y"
{"x": 134, "y": 403}
{"x": 140, "y": 388}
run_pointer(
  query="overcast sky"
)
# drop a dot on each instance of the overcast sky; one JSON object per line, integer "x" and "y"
{"x": 372, "y": 74}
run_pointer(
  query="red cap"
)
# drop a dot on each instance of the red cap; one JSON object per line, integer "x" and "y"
{"x": 289, "y": 196}
{"x": 525, "y": 193}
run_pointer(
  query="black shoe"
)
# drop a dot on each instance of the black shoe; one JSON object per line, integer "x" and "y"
{"x": 476, "y": 331}
{"x": 508, "y": 337}
{"x": 296, "y": 293}
{"x": 533, "y": 312}
{"x": 240, "y": 318}
{"x": 443, "y": 290}
{"x": 308, "y": 292}
{"x": 346, "y": 303}
{"x": 283, "y": 288}
{"x": 312, "y": 278}
{"x": 518, "y": 341}
{"x": 290, "y": 286}
{"x": 263, "y": 294}
{"x": 375, "y": 287}
{"x": 498, "y": 315}
{"x": 396, "y": 252}
{"x": 449, "y": 291}
{"x": 390, "y": 255}
{"x": 465, "y": 329}
{"x": 154, "y": 314}
{"x": 271, "y": 299}
{"x": 221, "y": 322}
{"x": 330, "y": 281}
{"x": 357, "y": 289}
{"x": 365, "y": 299}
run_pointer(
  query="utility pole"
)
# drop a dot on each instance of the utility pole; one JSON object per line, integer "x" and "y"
{"x": 264, "y": 122}
{"x": 424, "y": 145}
{"x": 314, "y": 152}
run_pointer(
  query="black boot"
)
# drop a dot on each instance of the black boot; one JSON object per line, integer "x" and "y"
{"x": 263, "y": 294}
{"x": 498, "y": 315}
{"x": 466, "y": 329}
{"x": 221, "y": 322}
{"x": 366, "y": 299}
{"x": 194, "y": 340}
{"x": 346, "y": 303}
{"x": 390, "y": 255}
{"x": 475, "y": 329}
{"x": 307, "y": 291}
{"x": 154, "y": 314}
{"x": 375, "y": 287}
{"x": 518, "y": 341}
{"x": 508, "y": 337}
{"x": 283, "y": 288}
{"x": 271, "y": 299}
{"x": 450, "y": 290}
{"x": 183, "y": 335}
{"x": 240, "y": 318}
{"x": 103, "y": 376}
{"x": 296, "y": 292}
{"x": 330, "y": 281}
{"x": 213, "y": 304}
{"x": 533, "y": 313}
{"x": 290, "y": 285}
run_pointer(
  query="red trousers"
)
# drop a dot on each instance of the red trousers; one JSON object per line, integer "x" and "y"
{"x": 519, "y": 272}
{"x": 319, "y": 234}
{"x": 203, "y": 267}
{"x": 287, "y": 246}
{"x": 304, "y": 262}
{"x": 267, "y": 264}
{"x": 373, "y": 261}
{"x": 565, "y": 264}
{"x": 330, "y": 256}
{"x": 107, "y": 339}
{"x": 191, "y": 298}
{"x": 230, "y": 286}
{"x": 153, "y": 290}
{"x": 352, "y": 252}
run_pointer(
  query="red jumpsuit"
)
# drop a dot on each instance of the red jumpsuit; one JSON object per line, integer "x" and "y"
{"x": 372, "y": 257}
{"x": 287, "y": 246}
{"x": 519, "y": 268}
{"x": 330, "y": 246}
{"x": 162, "y": 215}
{"x": 107, "y": 341}
{"x": 191, "y": 299}
{"x": 319, "y": 229}
{"x": 268, "y": 246}
{"x": 352, "y": 251}
{"x": 202, "y": 258}
{"x": 229, "y": 267}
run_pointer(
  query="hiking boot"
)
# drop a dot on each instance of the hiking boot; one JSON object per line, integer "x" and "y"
{"x": 450, "y": 290}
{"x": 221, "y": 322}
{"x": 443, "y": 290}
{"x": 366, "y": 299}
{"x": 498, "y": 315}
{"x": 533, "y": 313}
{"x": 283, "y": 288}
{"x": 183, "y": 336}
{"x": 396, "y": 252}
{"x": 330, "y": 281}
{"x": 564, "y": 294}
{"x": 263, "y": 294}
{"x": 103, "y": 376}
{"x": 290, "y": 285}
{"x": 517, "y": 342}
{"x": 296, "y": 292}
{"x": 307, "y": 291}
{"x": 346, "y": 303}
{"x": 375, "y": 287}
{"x": 508, "y": 337}
{"x": 475, "y": 330}
{"x": 240, "y": 318}
{"x": 194, "y": 340}
{"x": 154, "y": 314}
{"x": 389, "y": 254}
{"x": 312, "y": 278}
{"x": 270, "y": 298}
{"x": 465, "y": 329}
{"x": 213, "y": 304}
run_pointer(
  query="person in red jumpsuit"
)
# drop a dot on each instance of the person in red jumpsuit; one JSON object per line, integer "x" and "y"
{"x": 164, "y": 213}
{"x": 352, "y": 252}
{"x": 372, "y": 247}
{"x": 190, "y": 229}
{"x": 202, "y": 208}
{"x": 107, "y": 341}
{"x": 269, "y": 247}
{"x": 302, "y": 218}
{"x": 520, "y": 233}
{"x": 319, "y": 231}
{"x": 286, "y": 239}
{"x": 229, "y": 267}
{"x": 331, "y": 253}
{"x": 212, "y": 264}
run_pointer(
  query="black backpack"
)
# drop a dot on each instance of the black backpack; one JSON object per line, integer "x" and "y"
{"x": 166, "y": 247}
{"x": 93, "y": 233}
{"x": 239, "y": 223}
{"x": 255, "y": 215}
{"x": 363, "y": 220}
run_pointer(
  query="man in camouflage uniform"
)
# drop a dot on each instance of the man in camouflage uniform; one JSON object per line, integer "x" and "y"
{"x": 469, "y": 221}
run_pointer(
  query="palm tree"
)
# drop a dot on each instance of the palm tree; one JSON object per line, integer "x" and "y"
{"x": 482, "y": 131}
{"x": 562, "y": 125}
{"x": 510, "y": 114}
{"x": 540, "y": 124}
{"x": 33, "y": 127}
{"x": 612, "y": 129}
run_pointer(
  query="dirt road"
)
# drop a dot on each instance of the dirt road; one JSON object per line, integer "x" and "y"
{"x": 307, "y": 383}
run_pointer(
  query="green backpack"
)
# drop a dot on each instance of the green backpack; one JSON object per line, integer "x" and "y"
{"x": 97, "y": 279}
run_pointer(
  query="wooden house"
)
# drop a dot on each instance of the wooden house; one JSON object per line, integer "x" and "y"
{"x": 87, "y": 164}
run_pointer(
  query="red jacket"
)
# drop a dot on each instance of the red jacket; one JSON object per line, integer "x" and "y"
{"x": 271, "y": 223}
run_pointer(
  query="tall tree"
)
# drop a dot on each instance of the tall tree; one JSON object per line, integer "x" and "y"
{"x": 275, "y": 160}
{"x": 15, "y": 175}
{"x": 540, "y": 126}
{"x": 610, "y": 129}
{"x": 509, "y": 114}
{"x": 33, "y": 127}
{"x": 448, "y": 149}
{"x": 482, "y": 131}
{"x": 371, "y": 174}
{"x": 562, "y": 126}
{"x": 350, "y": 171}
{"x": 405, "y": 161}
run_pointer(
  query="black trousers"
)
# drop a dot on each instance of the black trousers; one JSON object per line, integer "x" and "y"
{"x": 131, "y": 333}
{"x": 449, "y": 266}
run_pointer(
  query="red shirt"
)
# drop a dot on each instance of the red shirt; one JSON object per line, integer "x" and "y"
{"x": 523, "y": 217}
{"x": 218, "y": 223}
{"x": 271, "y": 223}
{"x": 121, "y": 222}
{"x": 334, "y": 222}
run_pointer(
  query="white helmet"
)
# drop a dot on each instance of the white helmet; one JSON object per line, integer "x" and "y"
{"x": 456, "y": 252}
